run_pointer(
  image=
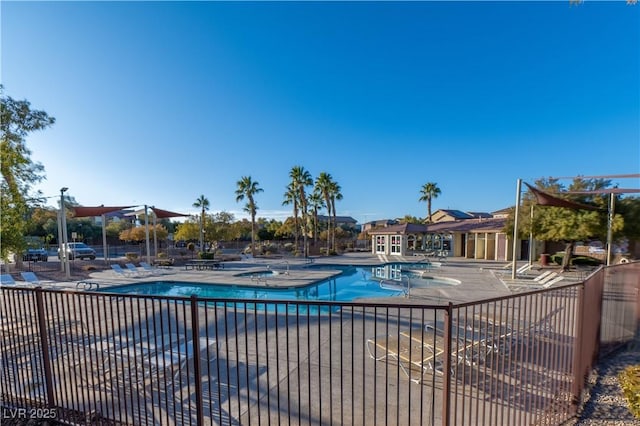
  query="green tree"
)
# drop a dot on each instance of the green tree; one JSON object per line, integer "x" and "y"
{"x": 202, "y": 203}
{"x": 300, "y": 180}
{"x": 567, "y": 225}
{"x": 291, "y": 197}
{"x": 187, "y": 231}
{"x": 330, "y": 191}
{"x": 316, "y": 202}
{"x": 409, "y": 219}
{"x": 19, "y": 172}
{"x": 629, "y": 208}
{"x": 428, "y": 192}
{"x": 336, "y": 194}
{"x": 249, "y": 188}
{"x": 324, "y": 185}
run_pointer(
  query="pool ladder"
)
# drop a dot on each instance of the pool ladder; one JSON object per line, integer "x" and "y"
{"x": 258, "y": 279}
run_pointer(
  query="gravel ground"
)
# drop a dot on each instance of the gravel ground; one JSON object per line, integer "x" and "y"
{"x": 604, "y": 404}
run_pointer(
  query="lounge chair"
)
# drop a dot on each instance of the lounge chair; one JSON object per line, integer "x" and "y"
{"x": 152, "y": 270}
{"x": 30, "y": 277}
{"x": 133, "y": 270}
{"x": 7, "y": 279}
{"x": 119, "y": 271}
{"x": 415, "y": 351}
{"x": 175, "y": 359}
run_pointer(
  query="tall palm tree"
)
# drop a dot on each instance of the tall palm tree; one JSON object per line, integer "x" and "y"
{"x": 324, "y": 184}
{"x": 203, "y": 203}
{"x": 316, "y": 202}
{"x": 300, "y": 179}
{"x": 335, "y": 195}
{"x": 291, "y": 197}
{"x": 248, "y": 188}
{"x": 428, "y": 192}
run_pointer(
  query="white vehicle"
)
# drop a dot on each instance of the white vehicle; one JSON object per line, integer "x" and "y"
{"x": 78, "y": 251}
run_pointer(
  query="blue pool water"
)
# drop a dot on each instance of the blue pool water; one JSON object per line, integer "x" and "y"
{"x": 351, "y": 284}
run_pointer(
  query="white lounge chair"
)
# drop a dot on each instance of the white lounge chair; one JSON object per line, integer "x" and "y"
{"x": 151, "y": 269}
{"x": 119, "y": 271}
{"x": 30, "y": 277}
{"x": 134, "y": 270}
{"x": 7, "y": 279}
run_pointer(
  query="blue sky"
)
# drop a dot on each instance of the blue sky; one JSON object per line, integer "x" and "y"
{"x": 158, "y": 103}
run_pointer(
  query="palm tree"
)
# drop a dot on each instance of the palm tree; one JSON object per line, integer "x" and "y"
{"x": 300, "y": 179}
{"x": 202, "y": 202}
{"x": 428, "y": 192}
{"x": 316, "y": 202}
{"x": 248, "y": 188}
{"x": 335, "y": 195}
{"x": 291, "y": 197}
{"x": 324, "y": 184}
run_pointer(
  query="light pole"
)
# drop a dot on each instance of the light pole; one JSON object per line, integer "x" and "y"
{"x": 65, "y": 241}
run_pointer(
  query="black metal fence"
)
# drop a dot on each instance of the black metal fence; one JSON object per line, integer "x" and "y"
{"x": 111, "y": 359}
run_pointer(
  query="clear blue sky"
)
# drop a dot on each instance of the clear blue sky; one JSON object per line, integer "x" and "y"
{"x": 158, "y": 103}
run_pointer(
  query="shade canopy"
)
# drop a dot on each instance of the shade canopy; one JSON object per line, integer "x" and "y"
{"x": 96, "y": 211}
{"x": 546, "y": 199}
{"x": 163, "y": 214}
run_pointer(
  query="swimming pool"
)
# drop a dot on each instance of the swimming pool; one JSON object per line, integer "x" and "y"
{"x": 352, "y": 283}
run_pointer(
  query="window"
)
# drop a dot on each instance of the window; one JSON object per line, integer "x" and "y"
{"x": 380, "y": 243}
{"x": 396, "y": 244}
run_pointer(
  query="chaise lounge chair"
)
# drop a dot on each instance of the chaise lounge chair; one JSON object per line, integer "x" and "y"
{"x": 7, "y": 279}
{"x": 121, "y": 272}
{"x": 30, "y": 277}
{"x": 135, "y": 271}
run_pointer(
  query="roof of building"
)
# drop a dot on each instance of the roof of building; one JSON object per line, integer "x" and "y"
{"x": 467, "y": 225}
{"x": 457, "y": 214}
{"x": 339, "y": 219}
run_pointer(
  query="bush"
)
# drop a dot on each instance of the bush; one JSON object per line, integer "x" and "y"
{"x": 206, "y": 255}
{"x": 575, "y": 260}
{"x": 630, "y": 384}
{"x": 132, "y": 257}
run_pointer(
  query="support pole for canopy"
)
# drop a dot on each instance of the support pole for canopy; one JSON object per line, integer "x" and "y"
{"x": 65, "y": 240}
{"x": 104, "y": 239}
{"x": 514, "y": 266}
{"x": 146, "y": 228}
{"x": 532, "y": 252}
{"x": 610, "y": 226}
{"x": 60, "y": 246}
{"x": 155, "y": 235}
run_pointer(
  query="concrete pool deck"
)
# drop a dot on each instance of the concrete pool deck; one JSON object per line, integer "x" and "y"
{"x": 478, "y": 279}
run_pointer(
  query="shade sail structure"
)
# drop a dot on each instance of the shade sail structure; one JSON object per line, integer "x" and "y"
{"x": 545, "y": 199}
{"x": 163, "y": 214}
{"x": 96, "y": 211}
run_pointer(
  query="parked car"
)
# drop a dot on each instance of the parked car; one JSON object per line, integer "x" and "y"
{"x": 35, "y": 255}
{"x": 78, "y": 251}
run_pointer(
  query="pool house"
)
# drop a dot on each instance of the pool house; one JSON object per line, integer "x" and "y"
{"x": 477, "y": 238}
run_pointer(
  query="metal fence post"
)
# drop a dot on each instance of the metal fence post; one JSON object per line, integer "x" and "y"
{"x": 195, "y": 336}
{"x": 578, "y": 357}
{"x": 446, "y": 373}
{"x": 46, "y": 361}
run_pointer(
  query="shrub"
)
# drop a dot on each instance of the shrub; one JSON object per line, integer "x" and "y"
{"x": 630, "y": 384}
{"x": 575, "y": 260}
{"x": 162, "y": 255}
{"x": 132, "y": 257}
{"x": 206, "y": 255}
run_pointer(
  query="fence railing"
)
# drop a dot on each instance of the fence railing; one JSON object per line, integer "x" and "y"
{"x": 88, "y": 357}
